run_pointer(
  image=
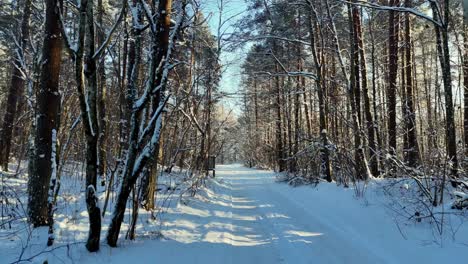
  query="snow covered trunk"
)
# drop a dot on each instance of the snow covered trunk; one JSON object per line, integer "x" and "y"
{"x": 361, "y": 167}
{"x": 393, "y": 36}
{"x": 362, "y": 171}
{"x": 146, "y": 138}
{"x": 159, "y": 52}
{"x": 85, "y": 68}
{"x": 101, "y": 99}
{"x": 279, "y": 127}
{"x": 134, "y": 58}
{"x": 52, "y": 189}
{"x": 369, "y": 119}
{"x": 94, "y": 212}
{"x": 322, "y": 93}
{"x": 465, "y": 79}
{"x": 92, "y": 206}
{"x": 442, "y": 40}
{"x": 48, "y": 100}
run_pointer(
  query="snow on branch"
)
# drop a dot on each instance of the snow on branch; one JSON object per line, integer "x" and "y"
{"x": 150, "y": 147}
{"x": 192, "y": 118}
{"x": 256, "y": 38}
{"x": 395, "y": 8}
{"x": 151, "y": 122}
{"x": 88, "y": 115}
{"x": 135, "y": 17}
{"x": 141, "y": 102}
{"x": 296, "y": 73}
{"x": 72, "y": 49}
{"x": 111, "y": 32}
{"x": 288, "y": 74}
{"x": 149, "y": 16}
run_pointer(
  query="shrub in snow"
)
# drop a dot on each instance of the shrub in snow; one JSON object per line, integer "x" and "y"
{"x": 461, "y": 201}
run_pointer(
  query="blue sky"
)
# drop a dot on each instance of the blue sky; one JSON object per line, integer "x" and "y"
{"x": 230, "y": 81}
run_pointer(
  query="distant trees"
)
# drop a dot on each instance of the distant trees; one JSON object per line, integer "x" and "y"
{"x": 381, "y": 105}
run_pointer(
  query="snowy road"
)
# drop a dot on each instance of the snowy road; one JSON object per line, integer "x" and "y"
{"x": 268, "y": 227}
{"x": 244, "y": 217}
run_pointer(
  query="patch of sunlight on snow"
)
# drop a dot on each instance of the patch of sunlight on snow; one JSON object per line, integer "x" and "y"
{"x": 81, "y": 227}
{"x": 234, "y": 206}
{"x": 218, "y": 225}
{"x": 182, "y": 223}
{"x": 301, "y": 241}
{"x": 192, "y": 211}
{"x": 243, "y": 206}
{"x": 249, "y": 179}
{"x": 275, "y": 215}
{"x": 302, "y": 233}
{"x": 235, "y": 216}
{"x": 235, "y": 240}
{"x": 241, "y": 200}
{"x": 213, "y": 195}
{"x": 228, "y": 226}
{"x": 185, "y": 236}
{"x": 84, "y": 213}
{"x": 208, "y": 193}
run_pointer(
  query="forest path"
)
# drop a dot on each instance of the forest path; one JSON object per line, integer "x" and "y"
{"x": 244, "y": 216}
{"x": 267, "y": 226}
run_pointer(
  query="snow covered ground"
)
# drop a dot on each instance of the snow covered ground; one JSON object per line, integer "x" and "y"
{"x": 246, "y": 216}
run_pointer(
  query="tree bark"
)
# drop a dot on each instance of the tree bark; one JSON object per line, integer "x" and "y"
{"x": 156, "y": 79}
{"x": 374, "y": 159}
{"x": 442, "y": 38}
{"x": 321, "y": 92}
{"x": 361, "y": 166}
{"x": 101, "y": 99}
{"x": 465, "y": 86}
{"x": 279, "y": 126}
{"x": 16, "y": 88}
{"x": 410, "y": 117}
{"x": 48, "y": 101}
{"x": 86, "y": 80}
{"x": 393, "y": 33}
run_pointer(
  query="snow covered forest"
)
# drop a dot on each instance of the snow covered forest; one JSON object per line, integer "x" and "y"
{"x": 239, "y": 131}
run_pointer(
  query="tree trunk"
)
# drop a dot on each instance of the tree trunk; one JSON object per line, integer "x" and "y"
{"x": 393, "y": 32}
{"x": 376, "y": 125}
{"x": 48, "y": 101}
{"x": 362, "y": 169}
{"x": 279, "y": 126}
{"x": 16, "y": 88}
{"x": 101, "y": 100}
{"x": 156, "y": 79}
{"x": 410, "y": 116}
{"x": 321, "y": 92}
{"x": 442, "y": 38}
{"x": 374, "y": 161}
{"x": 85, "y": 68}
{"x": 465, "y": 85}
